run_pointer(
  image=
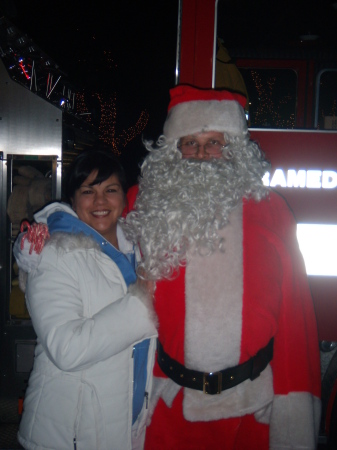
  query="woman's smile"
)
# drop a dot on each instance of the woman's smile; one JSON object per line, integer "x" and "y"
{"x": 100, "y": 205}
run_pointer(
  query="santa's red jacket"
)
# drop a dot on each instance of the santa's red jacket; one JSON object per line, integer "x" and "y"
{"x": 218, "y": 312}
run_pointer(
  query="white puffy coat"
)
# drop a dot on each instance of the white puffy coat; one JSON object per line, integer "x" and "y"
{"x": 87, "y": 322}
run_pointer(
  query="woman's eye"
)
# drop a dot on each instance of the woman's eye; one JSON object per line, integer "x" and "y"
{"x": 87, "y": 192}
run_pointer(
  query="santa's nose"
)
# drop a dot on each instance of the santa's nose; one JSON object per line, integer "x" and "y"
{"x": 201, "y": 153}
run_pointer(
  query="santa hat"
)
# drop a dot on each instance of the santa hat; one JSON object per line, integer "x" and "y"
{"x": 193, "y": 110}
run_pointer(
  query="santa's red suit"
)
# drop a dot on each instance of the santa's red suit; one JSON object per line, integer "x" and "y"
{"x": 219, "y": 312}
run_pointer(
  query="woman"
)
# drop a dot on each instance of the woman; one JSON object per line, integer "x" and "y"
{"x": 88, "y": 388}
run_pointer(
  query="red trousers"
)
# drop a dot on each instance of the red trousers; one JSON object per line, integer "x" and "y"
{"x": 170, "y": 431}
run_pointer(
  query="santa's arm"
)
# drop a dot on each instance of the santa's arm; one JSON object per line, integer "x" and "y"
{"x": 296, "y": 366}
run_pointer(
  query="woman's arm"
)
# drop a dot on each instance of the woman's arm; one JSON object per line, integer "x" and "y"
{"x": 71, "y": 340}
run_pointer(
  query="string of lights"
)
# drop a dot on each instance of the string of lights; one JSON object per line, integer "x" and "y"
{"x": 265, "y": 110}
{"x": 108, "y": 120}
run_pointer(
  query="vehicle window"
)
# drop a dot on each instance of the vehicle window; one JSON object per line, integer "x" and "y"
{"x": 272, "y": 97}
{"x": 271, "y": 91}
{"x": 327, "y": 100}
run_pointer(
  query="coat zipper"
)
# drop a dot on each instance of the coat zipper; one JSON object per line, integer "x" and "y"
{"x": 75, "y": 445}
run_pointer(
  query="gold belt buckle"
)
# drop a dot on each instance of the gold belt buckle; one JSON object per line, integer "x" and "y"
{"x": 212, "y": 383}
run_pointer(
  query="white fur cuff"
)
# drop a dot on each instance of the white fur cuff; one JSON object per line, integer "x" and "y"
{"x": 140, "y": 291}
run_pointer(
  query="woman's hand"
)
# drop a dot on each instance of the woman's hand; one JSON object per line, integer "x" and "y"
{"x": 148, "y": 286}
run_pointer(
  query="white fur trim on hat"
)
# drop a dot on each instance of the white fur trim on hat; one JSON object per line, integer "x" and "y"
{"x": 200, "y": 116}
{"x": 195, "y": 110}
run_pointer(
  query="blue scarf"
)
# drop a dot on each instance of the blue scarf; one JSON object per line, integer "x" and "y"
{"x": 65, "y": 222}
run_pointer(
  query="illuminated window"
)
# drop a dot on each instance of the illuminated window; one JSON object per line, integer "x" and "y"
{"x": 327, "y": 102}
{"x": 272, "y": 97}
{"x": 318, "y": 244}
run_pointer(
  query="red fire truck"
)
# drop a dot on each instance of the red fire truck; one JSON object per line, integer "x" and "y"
{"x": 292, "y": 114}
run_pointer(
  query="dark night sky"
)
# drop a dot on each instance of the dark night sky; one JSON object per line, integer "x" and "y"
{"x": 141, "y": 38}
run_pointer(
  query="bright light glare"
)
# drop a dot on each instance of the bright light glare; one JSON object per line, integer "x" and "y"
{"x": 318, "y": 244}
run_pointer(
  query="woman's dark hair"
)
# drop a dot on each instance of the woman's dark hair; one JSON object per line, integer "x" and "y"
{"x": 106, "y": 164}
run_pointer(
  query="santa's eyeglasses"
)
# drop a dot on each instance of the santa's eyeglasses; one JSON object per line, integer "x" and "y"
{"x": 192, "y": 147}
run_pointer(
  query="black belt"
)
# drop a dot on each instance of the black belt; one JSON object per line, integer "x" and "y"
{"x": 215, "y": 382}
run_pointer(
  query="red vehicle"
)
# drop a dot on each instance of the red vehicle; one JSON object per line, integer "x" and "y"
{"x": 292, "y": 114}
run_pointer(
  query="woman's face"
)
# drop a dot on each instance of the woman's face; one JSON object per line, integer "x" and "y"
{"x": 100, "y": 205}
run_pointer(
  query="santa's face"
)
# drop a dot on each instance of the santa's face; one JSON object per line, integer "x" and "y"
{"x": 185, "y": 200}
{"x": 202, "y": 146}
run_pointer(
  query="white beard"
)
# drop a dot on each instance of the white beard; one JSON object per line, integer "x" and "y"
{"x": 182, "y": 203}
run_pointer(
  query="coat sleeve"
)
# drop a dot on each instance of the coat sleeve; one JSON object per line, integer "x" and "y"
{"x": 72, "y": 339}
{"x": 296, "y": 407}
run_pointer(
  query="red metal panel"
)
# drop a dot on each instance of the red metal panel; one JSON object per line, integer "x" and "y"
{"x": 187, "y": 41}
{"x": 301, "y": 149}
{"x": 197, "y": 35}
{"x": 286, "y": 149}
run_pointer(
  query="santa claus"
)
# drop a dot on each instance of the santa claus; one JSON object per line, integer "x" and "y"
{"x": 238, "y": 360}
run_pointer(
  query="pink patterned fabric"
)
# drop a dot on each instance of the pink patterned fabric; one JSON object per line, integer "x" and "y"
{"x": 36, "y": 234}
